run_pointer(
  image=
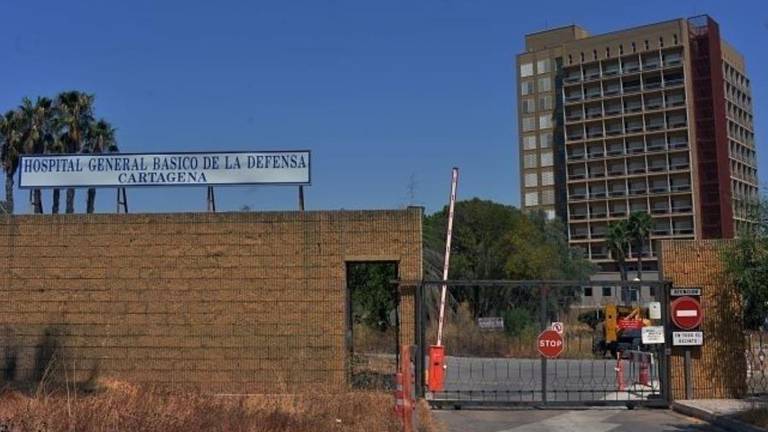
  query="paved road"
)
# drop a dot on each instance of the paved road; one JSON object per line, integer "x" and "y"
{"x": 595, "y": 420}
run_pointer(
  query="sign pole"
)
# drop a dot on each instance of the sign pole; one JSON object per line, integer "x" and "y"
{"x": 443, "y": 292}
{"x": 211, "y": 200}
{"x": 301, "y": 198}
{"x": 122, "y": 200}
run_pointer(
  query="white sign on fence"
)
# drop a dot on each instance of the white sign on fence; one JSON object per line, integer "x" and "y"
{"x": 491, "y": 323}
{"x": 679, "y": 292}
{"x": 652, "y": 335}
{"x": 165, "y": 169}
{"x": 654, "y": 310}
{"x": 687, "y": 338}
{"x": 558, "y": 326}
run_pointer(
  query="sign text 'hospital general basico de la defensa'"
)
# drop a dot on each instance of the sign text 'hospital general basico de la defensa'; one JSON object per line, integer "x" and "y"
{"x": 165, "y": 169}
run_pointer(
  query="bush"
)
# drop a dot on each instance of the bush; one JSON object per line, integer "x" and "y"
{"x": 516, "y": 321}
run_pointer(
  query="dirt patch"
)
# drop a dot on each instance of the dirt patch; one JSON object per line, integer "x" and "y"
{"x": 757, "y": 417}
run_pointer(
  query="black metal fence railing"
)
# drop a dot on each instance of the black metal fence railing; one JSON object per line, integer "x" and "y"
{"x": 490, "y": 339}
{"x": 757, "y": 363}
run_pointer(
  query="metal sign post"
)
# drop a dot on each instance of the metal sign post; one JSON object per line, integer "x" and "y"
{"x": 211, "y": 200}
{"x": 122, "y": 200}
{"x": 451, "y": 205}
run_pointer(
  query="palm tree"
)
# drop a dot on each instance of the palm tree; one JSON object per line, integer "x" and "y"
{"x": 36, "y": 120}
{"x": 618, "y": 239}
{"x": 640, "y": 226}
{"x": 76, "y": 112}
{"x": 100, "y": 138}
{"x": 10, "y": 150}
{"x": 55, "y": 145}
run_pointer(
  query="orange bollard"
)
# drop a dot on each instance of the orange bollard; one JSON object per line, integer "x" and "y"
{"x": 407, "y": 377}
{"x": 620, "y": 373}
{"x": 436, "y": 371}
{"x": 399, "y": 400}
{"x": 644, "y": 376}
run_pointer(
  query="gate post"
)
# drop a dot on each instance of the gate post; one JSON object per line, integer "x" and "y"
{"x": 664, "y": 358}
{"x": 543, "y": 317}
{"x": 420, "y": 351}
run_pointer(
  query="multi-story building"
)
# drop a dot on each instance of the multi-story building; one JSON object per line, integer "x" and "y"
{"x": 655, "y": 119}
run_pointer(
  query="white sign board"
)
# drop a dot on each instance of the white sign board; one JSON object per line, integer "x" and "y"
{"x": 652, "y": 335}
{"x": 654, "y": 310}
{"x": 679, "y": 292}
{"x": 165, "y": 169}
{"x": 687, "y": 338}
{"x": 491, "y": 323}
{"x": 558, "y": 327}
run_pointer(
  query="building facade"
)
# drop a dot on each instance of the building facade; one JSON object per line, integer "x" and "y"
{"x": 654, "y": 119}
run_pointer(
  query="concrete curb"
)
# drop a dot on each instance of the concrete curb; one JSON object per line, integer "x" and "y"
{"x": 724, "y": 422}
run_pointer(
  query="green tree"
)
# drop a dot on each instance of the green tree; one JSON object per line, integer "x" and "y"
{"x": 76, "y": 115}
{"x": 372, "y": 293}
{"x": 100, "y": 138}
{"x": 37, "y": 131}
{"x": 618, "y": 240}
{"x": 746, "y": 264}
{"x": 496, "y": 241}
{"x": 10, "y": 151}
{"x": 640, "y": 225}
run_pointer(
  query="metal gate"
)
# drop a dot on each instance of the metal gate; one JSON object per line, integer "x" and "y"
{"x": 490, "y": 343}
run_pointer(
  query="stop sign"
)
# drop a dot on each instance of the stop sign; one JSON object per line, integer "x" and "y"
{"x": 550, "y": 344}
{"x": 686, "y": 313}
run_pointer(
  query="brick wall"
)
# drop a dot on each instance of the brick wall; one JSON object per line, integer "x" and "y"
{"x": 719, "y": 366}
{"x": 230, "y": 303}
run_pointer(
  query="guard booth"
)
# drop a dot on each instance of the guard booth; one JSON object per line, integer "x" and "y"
{"x": 492, "y": 354}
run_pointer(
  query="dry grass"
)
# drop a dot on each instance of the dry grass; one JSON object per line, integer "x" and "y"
{"x": 426, "y": 422}
{"x": 463, "y": 337}
{"x": 124, "y": 407}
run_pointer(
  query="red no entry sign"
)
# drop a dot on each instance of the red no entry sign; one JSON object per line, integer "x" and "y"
{"x": 550, "y": 344}
{"x": 686, "y": 313}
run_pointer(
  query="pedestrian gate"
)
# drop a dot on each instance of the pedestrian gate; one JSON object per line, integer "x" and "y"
{"x": 490, "y": 337}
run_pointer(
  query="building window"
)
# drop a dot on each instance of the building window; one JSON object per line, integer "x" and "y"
{"x": 526, "y": 69}
{"x": 546, "y": 139}
{"x": 529, "y": 142}
{"x": 529, "y": 161}
{"x": 582, "y": 57}
{"x": 607, "y": 291}
{"x": 545, "y": 102}
{"x": 543, "y": 66}
{"x": 528, "y": 106}
{"x": 545, "y": 121}
{"x": 674, "y": 38}
{"x": 594, "y": 54}
{"x": 545, "y": 84}
{"x": 661, "y": 42}
{"x": 550, "y": 214}
{"x": 570, "y": 59}
{"x": 547, "y": 178}
{"x": 647, "y": 45}
{"x": 587, "y": 291}
{"x": 529, "y": 124}
{"x": 526, "y": 88}
{"x": 546, "y": 158}
{"x": 531, "y": 179}
{"x": 634, "y": 47}
{"x": 548, "y": 196}
{"x": 531, "y": 199}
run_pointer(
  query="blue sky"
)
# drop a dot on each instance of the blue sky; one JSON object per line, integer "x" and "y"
{"x": 386, "y": 94}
